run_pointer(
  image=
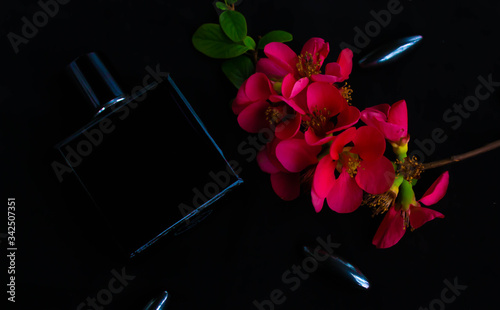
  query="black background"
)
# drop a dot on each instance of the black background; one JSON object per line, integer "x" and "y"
{"x": 240, "y": 253}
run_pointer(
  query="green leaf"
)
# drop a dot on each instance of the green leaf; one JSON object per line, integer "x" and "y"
{"x": 211, "y": 41}
{"x": 274, "y": 36}
{"x": 249, "y": 42}
{"x": 234, "y": 25}
{"x": 238, "y": 69}
{"x": 221, "y": 5}
{"x": 231, "y": 1}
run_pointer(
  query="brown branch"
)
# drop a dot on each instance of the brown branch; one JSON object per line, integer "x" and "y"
{"x": 488, "y": 147}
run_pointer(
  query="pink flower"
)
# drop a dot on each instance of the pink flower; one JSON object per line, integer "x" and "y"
{"x": 329, "y": 112}
{"x": 339, "y": 71}
{"x": 392, "y": 121}
{"x": 255, "y": 112}
{"x": 286, "y": 160}
{"x": 255, "y": 89}
{"x": 293, "y": 92}
{"x": 278, "y": 94}
{"x": 357, "y": 154}
{"x": 411, "y": 214}
{"x": 311, "y": 58}
{"x": 282, "y": 60}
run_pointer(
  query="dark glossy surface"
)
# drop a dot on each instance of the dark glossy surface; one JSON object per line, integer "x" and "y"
{"x": 96, "y": 82}
{"x": 113, "y": 157}
{"x": 338, "y": 268}
{"x": 390, "y": 52}
{"x": 159, "y": 302}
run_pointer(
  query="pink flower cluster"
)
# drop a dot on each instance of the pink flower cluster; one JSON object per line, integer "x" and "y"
{"x": 316, "y": 145}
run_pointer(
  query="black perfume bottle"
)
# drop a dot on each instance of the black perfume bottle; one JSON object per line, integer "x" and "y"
{"x": 145, "y": 161}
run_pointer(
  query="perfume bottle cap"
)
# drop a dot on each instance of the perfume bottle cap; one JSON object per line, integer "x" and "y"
{"x": 95, "y": 81}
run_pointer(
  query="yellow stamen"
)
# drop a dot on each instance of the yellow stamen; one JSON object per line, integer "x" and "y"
{"x": 273, "y": 116}
{"x": 320, "y": 121}
{"x": 406, "y": 220}
{"x": 346, "y": 92}
{"x": 409, "y": 168}
{"x": 352, "y": 166}
{"x": 306, "y": 65}
{"x": 380, "y": 203}
{"x": 350, "y": 161}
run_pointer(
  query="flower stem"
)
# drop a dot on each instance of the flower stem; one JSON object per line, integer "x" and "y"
{"x": 455, "y": 158}
{"x": 255, "y": 56}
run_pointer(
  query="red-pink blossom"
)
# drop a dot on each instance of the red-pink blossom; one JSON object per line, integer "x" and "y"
{"x": 255, "y": 112}
{"x": 356, "y": 156}
{"x": 392, "y": 121}
{"x": 328, "y": 112}
{"x": 286, "y": 160}
{"x": 282, "y": 60}
{"x": 399, "y": 217}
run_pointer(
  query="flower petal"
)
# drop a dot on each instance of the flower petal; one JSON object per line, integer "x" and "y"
{"x": 317, "y": 201}
{"x": 282, "y": 56}
{"x": 340, "y": 141}
{"x": 345, "y": 195}
{"x": 253, "y": 117}
{"x": 296, "y": 154}
{"x": 258, "y": 87}
{"x": 392, "y": 124}
{"x": 299, "y": 86}
{"x": 376, "y": 177}
{"x": 289, "y": 127}
{"x": 369, "y": 143}
{"x": 287, "y": 85}
{"x": 345, "y": 62}
{"x": 372, "y": 115}
{"x": 333, "y": 69}
{"x": 241, "y": 101}
{"x": 324, "y": 78}
{"x": 286, "y": 185}
{"x": 292, "y": 87}
{"x": 325, "y": 96}
{"x": 437, "y": 190}
{"x": 390, "y": 231}
{"x": 299, "y": 102}
{"x": 265, "y": 163}
{"x": 318, "y": 48}
{"x": 420, "y": 215}
{"x": 347, "y": 118}
{"x": 392, "y": 132}
{"x": 312, "y": 139}
{"x": 324, "y": 176}
{"x": 398, "y": 115}
{"x": 269, "y": 68}
{"x": 271, "y": 154}
{"x": 341, "y": 69}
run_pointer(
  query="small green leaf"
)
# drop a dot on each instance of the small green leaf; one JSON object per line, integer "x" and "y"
{"x": 238, "y": 69}
{"x": 221, "y": 5}
{"x": 211, "y": 41}
{"x": 231, "y": 1}
{"x": 234, "y": 25}
{"x": 249, "y": 42}
{"x": 274, "y": 36}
